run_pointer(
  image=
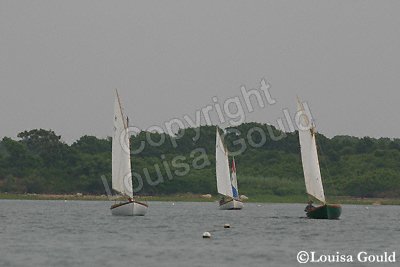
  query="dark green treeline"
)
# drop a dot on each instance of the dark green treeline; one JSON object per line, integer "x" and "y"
{"x": 268, "y": 163}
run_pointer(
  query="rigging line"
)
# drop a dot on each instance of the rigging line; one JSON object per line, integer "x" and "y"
{"x": 319, "y": 148}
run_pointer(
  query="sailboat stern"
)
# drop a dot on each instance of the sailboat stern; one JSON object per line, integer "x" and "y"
{"x": 327, "y": 211}
{"x": 333, "y": 211}
{"x": 231, "y": 204}
{"x": 129, "y": 208}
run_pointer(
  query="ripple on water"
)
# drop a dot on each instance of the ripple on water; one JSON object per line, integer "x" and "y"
{"x": 76, "y": 233}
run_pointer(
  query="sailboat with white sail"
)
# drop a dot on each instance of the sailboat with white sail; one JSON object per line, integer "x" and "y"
{"x": 226, "y": 184}
{"x": 312, "y": 173}
{"x": 121, "y": 166}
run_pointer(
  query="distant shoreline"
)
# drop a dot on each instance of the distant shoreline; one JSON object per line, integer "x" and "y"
{"x": 202, "y": 198}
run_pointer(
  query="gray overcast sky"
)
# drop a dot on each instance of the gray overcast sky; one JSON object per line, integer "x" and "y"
{"x": 61, "y": 60}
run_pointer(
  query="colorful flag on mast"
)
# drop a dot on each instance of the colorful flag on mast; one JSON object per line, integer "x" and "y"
{"x": 234, "y": 180}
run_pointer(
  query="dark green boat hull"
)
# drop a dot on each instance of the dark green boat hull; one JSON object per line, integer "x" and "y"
{"x": 328, "y": 211}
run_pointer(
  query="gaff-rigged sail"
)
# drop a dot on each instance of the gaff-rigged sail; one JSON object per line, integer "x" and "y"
{"x": 309, "y": 156}
{"x": 121, "y": 161}
{"x": 224, "y": 185}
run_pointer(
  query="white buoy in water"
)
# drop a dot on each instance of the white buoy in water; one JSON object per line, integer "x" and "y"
{"x": 227, "y": 225}
{"x": 173, "y": 203}
{"x": 206, "y": 235}
{"x": 366, "y": 208}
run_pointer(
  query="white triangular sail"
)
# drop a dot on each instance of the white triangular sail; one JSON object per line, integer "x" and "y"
{"x": 309, "y": 155}
{"x": 121, "y": 160}
{"x": 224, "y": 185}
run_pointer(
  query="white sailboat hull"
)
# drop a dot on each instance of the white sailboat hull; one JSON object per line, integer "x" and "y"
{"x": 232, "y": 204}
{"x": 129, "y": 208}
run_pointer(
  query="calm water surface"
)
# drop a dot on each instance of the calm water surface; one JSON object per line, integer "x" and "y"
{"x": 83, "y": 233}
